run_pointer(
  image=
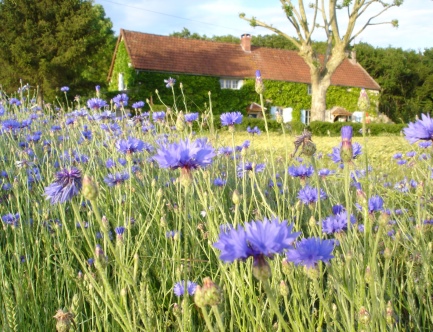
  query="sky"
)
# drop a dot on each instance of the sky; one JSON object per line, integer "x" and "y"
{"x": 221, "y": 17}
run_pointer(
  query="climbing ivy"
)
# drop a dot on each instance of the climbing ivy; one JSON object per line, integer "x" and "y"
{"x": 195, "y": 98}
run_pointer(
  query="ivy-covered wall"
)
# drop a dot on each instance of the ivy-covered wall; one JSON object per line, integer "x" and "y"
{"x": 142, "y": 85}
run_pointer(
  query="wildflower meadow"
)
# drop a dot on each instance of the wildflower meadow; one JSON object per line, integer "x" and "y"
{"x": 120, "y": 219}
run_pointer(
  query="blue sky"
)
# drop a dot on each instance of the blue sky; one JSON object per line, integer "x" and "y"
{"x": 221, "y": 17}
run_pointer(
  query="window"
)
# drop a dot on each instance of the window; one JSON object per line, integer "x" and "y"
{"x": 120, "y": 83}
{"x": 309, "y": 89}
{"x": 229, "y": 83}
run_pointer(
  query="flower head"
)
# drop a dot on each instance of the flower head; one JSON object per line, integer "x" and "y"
{"x": 185, "y": 154}
{"x": 121, "y": 100}
{"x": 170, "y": 82}
{"x": 257, "y": 239}
{"x": 64, "y": 89}
{"x": 336, "y": 223}
{"x": 191, "y": 117}
{"x": 304, "y": 140}
{"x": 138, "y": 105}
{"x": 231, "y": 118}
{"x": 115, "y": 179}
{"x": 179, "y": 288}
{"x": 375, "y": 203}
{"x": 309, "y": 195}
{"x": 310, "y": 251}
{"x": 96, "y": 103}
{"x": 254, "y": 130}
{"x": 67, "y": 185}
{"x": 246, "y": 167}
{"x": 422, "y": 129}
{"x": 130, "y": 145}
{"x": 259, "y": 87}
{"x": 158, "y": 116}
{"x": 336, "y": 154}
{"x": 301, "y": 171}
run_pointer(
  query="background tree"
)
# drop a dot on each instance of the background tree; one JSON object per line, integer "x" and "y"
{"x": 54, "y": 43}
{"x": 322, "y": 68}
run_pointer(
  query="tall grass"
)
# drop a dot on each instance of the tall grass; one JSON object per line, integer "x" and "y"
{"x": 68, "y": 255}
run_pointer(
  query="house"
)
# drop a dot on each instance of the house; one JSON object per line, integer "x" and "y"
{"x": 230, "y": 63}
{"x": 254, "y": 110}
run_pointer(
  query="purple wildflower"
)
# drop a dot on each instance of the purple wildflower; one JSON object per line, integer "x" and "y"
{"x": 375, "y": 203}
{"x": 130, "y": 145}
{"x": 138, "y": 104}
{"x": 336, "y": 223}
{"x": 336, "y": 152}
{"x": 244, "y": 168}
{"x": 170, "y": 82}
{"x": 115, "y": 179}
{"x": 231, "y": 118}
{"x": 158, "y": 116}
{"x": 67, "y": 185}
{"x": 121, "y": 100}
{"x": 310, "y": 251}
{"x": 191, "y": 117}
{"x": 96, "y": 103}
{"x": 218, "y": 182}
{"x": 309, "y": 195}
{"x": 185, "y": 154}
{"x": 253, "y": 131}
{"x": 301, "y": 171}
{"x": 64, "y": 89}
{"x": 258, "y": 239}
{"x": 422, "y": 129}
{"x": 425, "y": 144}
{"x": 179, "y": 288}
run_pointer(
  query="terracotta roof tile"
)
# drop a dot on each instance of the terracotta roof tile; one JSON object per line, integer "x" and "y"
{"x": 198, "y": 57}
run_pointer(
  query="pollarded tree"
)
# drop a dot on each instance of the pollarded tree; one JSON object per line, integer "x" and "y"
{"x": 328, "y": 12}
{"x": 52, "y": 43}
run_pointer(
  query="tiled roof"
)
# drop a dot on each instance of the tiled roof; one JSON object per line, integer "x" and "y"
{"x": 199, "y": 57}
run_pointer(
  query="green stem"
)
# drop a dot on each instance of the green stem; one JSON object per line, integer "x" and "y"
{"x": 274, "y": 305}
{"x": 206, "y": 319}
{"x": 218, "y": 318}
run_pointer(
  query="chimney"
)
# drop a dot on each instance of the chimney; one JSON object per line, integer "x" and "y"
{"x": 246, "y": 42}
{"x": 353, "y": 56}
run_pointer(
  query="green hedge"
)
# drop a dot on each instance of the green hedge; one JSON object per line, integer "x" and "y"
{"x": 319, "y": 128}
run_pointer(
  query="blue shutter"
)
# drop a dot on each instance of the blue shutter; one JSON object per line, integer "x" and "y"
{"x": 303, "y": 116}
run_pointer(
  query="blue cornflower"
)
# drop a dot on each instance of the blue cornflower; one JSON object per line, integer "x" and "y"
{"x": 172, "y": 234}
{"x": 14, "y": 101}
{"x": 170, "y": 82}
{"x": 96, "y": 103}
{"x": 138, "y": 104}
{"x": 33, "y": 137}
{"x": 336, "y": 223}
{"x": 301, "y": 171}
{"x": 115, "y": 179}
{"x": 110, "y": 163}
{"x": 120, "y": 230}
{"x": 258, "y": 239}
{"x": 219, "y": 182}
{"x": 11, "y": 219}
{"x": 56, "y": 128}
{"x": 245, "y": 167}
{"x": 121, "y": 100}
{"x": 425, "y": 144}
{"x": 375, "y": 203}
{"x": 324, "y": 172}
{"x": 336, "y": 152}
{"x": 310, "y": 251}
{"x": 67, "y": 185}
{"x": 231, "y": 118}
{"x": 130, "y": 145}
{"x": 410, "y": 154}
{"x": 309, "y": 195}
{"x": 186, "y": 154}
{"x": 158, "y": 116}
{"x": 179, "y": 288}
{"x": 87, "y": 134}
{"x": 64, "y": 89}
{"x": 11, "y": 125}
{"x": 422, "y": 129}
{"x": 253, "y": 131}
{"x": 191, "y": 117}
{"x": 226, "y": 151}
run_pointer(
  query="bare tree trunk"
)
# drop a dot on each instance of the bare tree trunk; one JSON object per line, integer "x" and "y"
{"x": 319, "y": 86}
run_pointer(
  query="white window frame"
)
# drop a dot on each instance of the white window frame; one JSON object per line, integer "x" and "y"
{"x": 120, "y": 82}
{"x": 309, "y": 89}
{"x": 231, "y": 83}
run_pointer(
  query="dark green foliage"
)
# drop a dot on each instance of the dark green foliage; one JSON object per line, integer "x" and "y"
{"x": 406, "y": 78}
{"x": 319, "y": 128}
{"x": 53, "y": 43}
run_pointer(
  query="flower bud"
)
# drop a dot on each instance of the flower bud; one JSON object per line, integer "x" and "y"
{"x": 64, "y": 320}
{"x": 284, "y": 290}
{"x": 364, "y": 315}
{"x": 90, "y": 188}
{"x": 209, "y": 294}
{"x": 236, "y": 198}
{"x": 261, "y": 269}
{"x": 259, "y": 87}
